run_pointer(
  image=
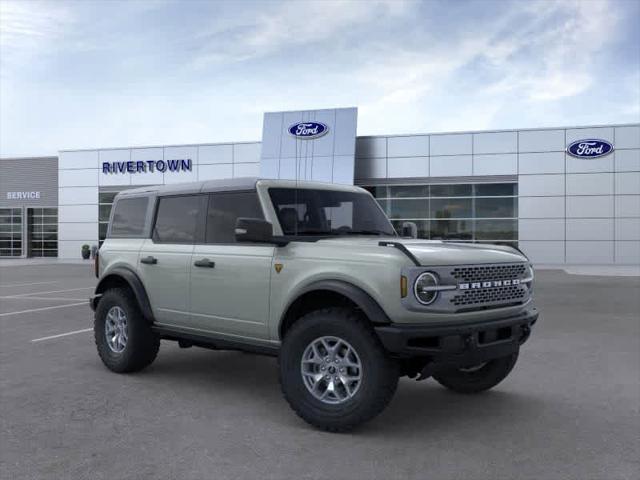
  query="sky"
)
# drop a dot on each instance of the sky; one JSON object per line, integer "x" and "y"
{"x": 84, "y": 74}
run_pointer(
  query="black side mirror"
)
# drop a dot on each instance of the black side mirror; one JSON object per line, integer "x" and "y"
{"x": 409, "y": 229}
{"x": 253, "y": 230}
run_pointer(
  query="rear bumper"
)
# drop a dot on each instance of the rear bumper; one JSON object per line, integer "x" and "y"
{"x": 462, "y": 344}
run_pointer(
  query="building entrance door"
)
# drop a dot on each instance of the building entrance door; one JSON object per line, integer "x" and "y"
{"x": 11, "y": 223}
{"x": 42, "y": 232}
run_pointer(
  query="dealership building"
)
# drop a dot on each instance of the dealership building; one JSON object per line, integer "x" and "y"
{"x": 567, "y": 195}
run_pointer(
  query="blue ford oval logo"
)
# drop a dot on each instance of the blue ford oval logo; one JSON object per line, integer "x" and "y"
{"x": 590, "y": 148}
{"x": 308, "y": 130}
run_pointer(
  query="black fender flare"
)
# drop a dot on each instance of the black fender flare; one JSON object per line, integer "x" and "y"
{"x": 362, "y": 299}
{"x": 133, "y": 281}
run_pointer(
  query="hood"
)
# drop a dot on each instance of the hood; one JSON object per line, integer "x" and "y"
{"x": 436, "y": 252}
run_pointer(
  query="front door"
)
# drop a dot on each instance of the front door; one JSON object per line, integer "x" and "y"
{"x": 164, "y": 262}
{"x": 229, "y": 286}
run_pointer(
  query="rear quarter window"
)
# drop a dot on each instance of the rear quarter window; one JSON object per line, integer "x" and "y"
{"x": 129, "y": 216}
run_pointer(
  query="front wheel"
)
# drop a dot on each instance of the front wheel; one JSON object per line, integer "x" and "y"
{"x": 334, "y": 372}
{"x": 477, "y": 378}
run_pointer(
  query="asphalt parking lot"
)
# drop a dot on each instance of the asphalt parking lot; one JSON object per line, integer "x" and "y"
{"x": 570, "y": 409}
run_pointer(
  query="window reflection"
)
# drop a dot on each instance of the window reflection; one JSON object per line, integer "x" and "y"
{"x": 481, "y": 212}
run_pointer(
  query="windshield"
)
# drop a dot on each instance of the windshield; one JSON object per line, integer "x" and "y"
{"x": 328, "y": 212}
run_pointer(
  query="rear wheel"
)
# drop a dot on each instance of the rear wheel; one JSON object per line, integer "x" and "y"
{"x": 477, "y": 378}
{"x": 333, "y": 371}
{"x": 123, "y": 337}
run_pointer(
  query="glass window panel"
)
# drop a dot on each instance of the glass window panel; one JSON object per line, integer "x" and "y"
{"x": 5, "y": 252}
{"x": 496, "y": 229}
{"x": 451, "y": 208}
{"x": 496, "y": 207}
{"x": 423, "y": 227}
{"x": 6, "y": 228}
{"x": 106, "y": 197}
{"x": 451, "y": 229}
{"x": 17, "y": 219}
{"x": 103, "y": 212}
{"x": 129, "y": 217}
{"x": 5, "y": 220}
{"x": 496, "y": 189}
{"x": 378, "y": 192}
{"x": 408, "y": 208}
{"x": 177, "y": 218}
{"x": 399, "y": 191}
{"x": 102, "y": 230}
{"x": 50, "y": 211}
{"x": 224, "y": 209}
{"x": 5, "y": 243}
{"x": 16, "y": 212}
{"x": 50, "y": 245}
{"x": 462, "y": 190}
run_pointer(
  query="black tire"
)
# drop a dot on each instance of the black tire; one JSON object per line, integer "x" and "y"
{"x": 476, "y": 381}
{"x": 379, "y": 372}
{"x": 142, "y": 344}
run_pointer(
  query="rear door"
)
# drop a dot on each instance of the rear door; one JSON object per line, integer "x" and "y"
{"x": 229, "y": 280}
{"x": 164, "y": 262}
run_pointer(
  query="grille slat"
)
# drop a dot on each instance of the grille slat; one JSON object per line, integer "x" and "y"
{"x": 490, "y": 295}
{"x": 490, "y": 272}
{"x": 497, "y": 295}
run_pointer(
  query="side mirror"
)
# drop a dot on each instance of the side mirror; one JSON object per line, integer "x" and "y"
{"x": 409, "y": 229}
{"x": 253, "y": 230}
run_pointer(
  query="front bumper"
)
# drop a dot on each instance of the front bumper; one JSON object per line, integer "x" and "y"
{"x": 460, "y": 344}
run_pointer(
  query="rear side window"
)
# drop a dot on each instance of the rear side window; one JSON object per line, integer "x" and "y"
{"x": 129, "y": 217}
{"x": 178, "y": 219}
{"x": 224, "y": 210}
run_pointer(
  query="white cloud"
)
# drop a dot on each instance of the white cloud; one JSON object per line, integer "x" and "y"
{"x": 26, "y": 27}
{"x": 288, "y": 26}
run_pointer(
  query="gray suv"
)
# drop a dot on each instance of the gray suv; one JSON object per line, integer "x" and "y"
{"x": 314, "y": 274}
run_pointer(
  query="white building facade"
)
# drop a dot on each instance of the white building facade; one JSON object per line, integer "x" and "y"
{"x": 511, "y": 186}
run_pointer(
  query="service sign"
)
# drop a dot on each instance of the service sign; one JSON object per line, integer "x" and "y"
{"x": 589, "y": 148}
{"x": 308, "y": 130}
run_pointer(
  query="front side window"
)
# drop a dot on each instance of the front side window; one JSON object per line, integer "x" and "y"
{"x": 224, "y": 209}
{"x": 178, "y": 218}
{"x": 129, "y": 217}
{"x": 328, "y": 212}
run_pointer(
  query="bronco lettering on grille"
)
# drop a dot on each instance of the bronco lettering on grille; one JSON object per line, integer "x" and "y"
{"x": 488, "y": 284}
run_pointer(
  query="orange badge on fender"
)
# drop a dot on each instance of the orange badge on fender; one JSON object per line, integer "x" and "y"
{"x": 278, "y": 267}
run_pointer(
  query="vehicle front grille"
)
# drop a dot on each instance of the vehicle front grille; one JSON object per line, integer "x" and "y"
{"x": 478, "y": 273}
{"x": 483, "y": 296}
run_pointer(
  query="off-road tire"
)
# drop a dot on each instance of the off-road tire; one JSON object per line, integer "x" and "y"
{"x": 479, "y": 380}
{"x": 379, "y": 372}
{"x": 142, "y": 343}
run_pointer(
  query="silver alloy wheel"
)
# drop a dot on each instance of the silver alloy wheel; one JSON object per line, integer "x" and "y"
{"x": 331, "y": 370}
{"x": 115, "y": 329}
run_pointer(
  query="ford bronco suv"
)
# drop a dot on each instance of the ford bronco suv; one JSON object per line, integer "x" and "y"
{"x": 314, "y": 274}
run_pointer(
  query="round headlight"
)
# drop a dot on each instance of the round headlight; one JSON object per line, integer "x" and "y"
{"x": 423, "y": 288}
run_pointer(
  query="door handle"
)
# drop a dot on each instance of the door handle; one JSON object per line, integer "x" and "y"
{"x": 149, "y": 260}
{"x": 205, "y": 262}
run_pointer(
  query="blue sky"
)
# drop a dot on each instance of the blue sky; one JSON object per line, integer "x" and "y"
{"x": 99, "y": 74}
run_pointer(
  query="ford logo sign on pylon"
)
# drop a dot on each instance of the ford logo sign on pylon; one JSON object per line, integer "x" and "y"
{"x": 308, "y": 130}
{"x": 590, "y": 148}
